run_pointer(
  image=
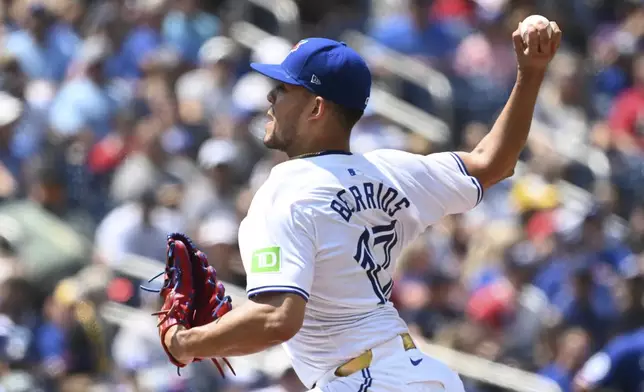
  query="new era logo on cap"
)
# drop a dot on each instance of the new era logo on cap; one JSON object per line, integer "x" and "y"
{"x": 327, "y": 68}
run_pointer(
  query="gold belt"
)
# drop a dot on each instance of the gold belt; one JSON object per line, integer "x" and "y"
{"x": 363, "y": 361}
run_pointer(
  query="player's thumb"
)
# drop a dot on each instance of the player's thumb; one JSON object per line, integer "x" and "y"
{"x": 517, "y": 41}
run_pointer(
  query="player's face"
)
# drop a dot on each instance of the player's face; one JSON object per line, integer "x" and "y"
{"x": 286, "y": 115}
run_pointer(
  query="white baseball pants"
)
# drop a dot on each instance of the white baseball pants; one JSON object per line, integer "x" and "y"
{"x": 395, "y": 370}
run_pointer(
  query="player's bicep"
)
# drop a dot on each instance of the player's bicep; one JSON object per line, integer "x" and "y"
{"x": 286, "y": 311}
{"x": 279, "y": 258}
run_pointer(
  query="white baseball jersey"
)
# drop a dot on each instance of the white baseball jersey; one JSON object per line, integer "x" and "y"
{"x": 330, "y": 228}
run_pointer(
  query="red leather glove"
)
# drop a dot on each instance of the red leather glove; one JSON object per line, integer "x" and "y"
{"x": 191, "y": 294}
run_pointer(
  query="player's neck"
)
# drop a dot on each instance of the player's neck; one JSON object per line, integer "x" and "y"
{"x": 320, "y": 149}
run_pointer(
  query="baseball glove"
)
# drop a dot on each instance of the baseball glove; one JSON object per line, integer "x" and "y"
{"x": 191, "y": 294}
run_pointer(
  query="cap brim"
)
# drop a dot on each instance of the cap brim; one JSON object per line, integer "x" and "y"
{"x": 274, "y": 71}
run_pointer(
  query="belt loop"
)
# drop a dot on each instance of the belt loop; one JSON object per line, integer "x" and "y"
{"x": 408, "y": 342}
{"x": 364, "y": 360}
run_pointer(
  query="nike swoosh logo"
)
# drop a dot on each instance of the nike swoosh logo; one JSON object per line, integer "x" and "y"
{"x": 416, "y": 362}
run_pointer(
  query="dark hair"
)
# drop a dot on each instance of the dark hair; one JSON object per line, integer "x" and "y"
{"x": 348, "y": 116}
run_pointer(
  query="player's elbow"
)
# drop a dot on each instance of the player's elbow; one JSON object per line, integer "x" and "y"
{"x": 282, "y": 326}
{"x": 509, "y": 173}
{"x": 493, "y": 173}
{"x": 285, "y": 317}
{"x": 488, "y": 171}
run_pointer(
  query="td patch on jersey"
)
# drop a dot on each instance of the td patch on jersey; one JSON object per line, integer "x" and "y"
{"x": 266, "y": 260}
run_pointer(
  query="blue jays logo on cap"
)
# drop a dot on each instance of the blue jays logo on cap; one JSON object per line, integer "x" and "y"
{"x": 327, "y": 68}
{"x": 297, "y": 45}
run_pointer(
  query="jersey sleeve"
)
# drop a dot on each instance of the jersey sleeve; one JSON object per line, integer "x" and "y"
{"x": 278, "y": 251}
{"x": 437, "y": 184}
{"x": 460, "y": 191}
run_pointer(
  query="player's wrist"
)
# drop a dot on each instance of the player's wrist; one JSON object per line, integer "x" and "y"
{"x": 530, "y": 77}
{"x": 174, "y": 341}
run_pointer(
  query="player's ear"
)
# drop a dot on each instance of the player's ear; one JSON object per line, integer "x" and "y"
{"x": 319, "y": 106}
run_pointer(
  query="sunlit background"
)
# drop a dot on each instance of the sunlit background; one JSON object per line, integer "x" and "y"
{"x": 124, "y": 120}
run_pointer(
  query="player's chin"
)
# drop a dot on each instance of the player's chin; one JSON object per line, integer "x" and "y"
{"x": 272, "y": 143}
{"x": 270, "y": 138}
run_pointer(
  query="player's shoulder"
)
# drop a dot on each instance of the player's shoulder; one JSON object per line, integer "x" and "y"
{"x": 404, "y": 162}
{"x": 290, "y": 186}
{"x": 388, "y": 154}
{"x": 297, "y": 178}
{"x": 401, "y": 156}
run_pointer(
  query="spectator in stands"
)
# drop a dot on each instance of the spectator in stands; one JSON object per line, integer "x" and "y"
{"x": 635, "y": 238}
{"x": 511, "y": 306}
{"x": 144, "y": 37}
{"x": 627, "y": 116}
{"x": 626, "y": 124}
{"x": 162, "y": 64}
{"x": 11, "y": 164}
{"x": 106, "y": 155}
{"x": 43, "y": 47}
{"x": 618, "y": 365}
{"x": 414, "y": 33}
{"x": 537, "y": 190}
{"x": 13, "y": 78}
{"x": 136, "y": 228}
{"x": 572, "y": 350}
{"x": 70, "y": 341}
{"x": 83, "y": 104}
{"x": 214, "y": 192}
{"x": 587, "y": 304}
{"x": 152, "y": 161}
{"x": 410, "y": 293}
{"x": 18, "y": 327}
{"x": 144, "y": 237}
{"x": 186, "y": 27}
{"x": 462, "y": 11}
{"x": 531, "y": 310}
{"x": 632, "y": 316}
{"x": 596, "y": 238}
{"x": 12, "y": 349}
{"x": 561, "y": 118}
{"x": 218, "y": 236}
{"x": 47, "y": 185}
{"x": 31, "y": 130}
{"x": 104, "y": 19}
{"x": 482, "y": 68}
{"x": 205, "y": 93}
{"x": 440, "y": 312}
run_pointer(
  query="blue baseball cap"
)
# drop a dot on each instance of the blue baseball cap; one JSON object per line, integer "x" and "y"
{"x": 327, "y": 68}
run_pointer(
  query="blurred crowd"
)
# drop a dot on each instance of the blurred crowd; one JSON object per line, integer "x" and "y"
{"x": 124, "y": 120}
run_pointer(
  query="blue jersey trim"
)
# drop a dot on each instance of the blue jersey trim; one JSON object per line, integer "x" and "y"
{"x": 278, "y": 289}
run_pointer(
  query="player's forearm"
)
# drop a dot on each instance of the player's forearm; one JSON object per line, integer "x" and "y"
{"x": 245, "y": 330}
{"x": 499, "y": 150}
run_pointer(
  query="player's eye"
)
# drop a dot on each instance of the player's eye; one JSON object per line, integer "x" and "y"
{"x": 275, "y": 91}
